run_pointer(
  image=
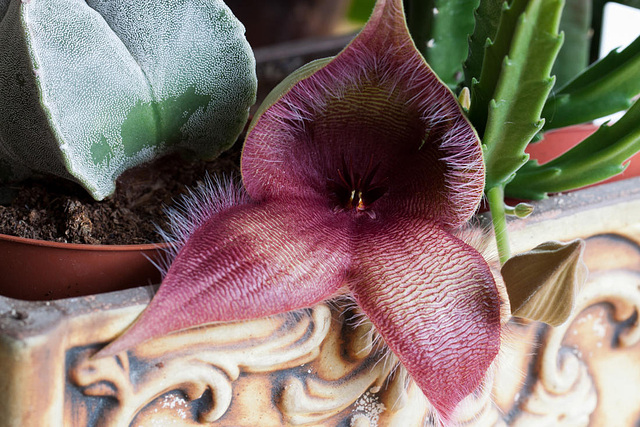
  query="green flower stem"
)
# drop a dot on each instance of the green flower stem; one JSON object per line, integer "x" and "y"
{"x": 495, "y": 196}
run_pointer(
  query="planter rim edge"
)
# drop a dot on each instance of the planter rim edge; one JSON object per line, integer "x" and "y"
{"x": 84, "y": 246}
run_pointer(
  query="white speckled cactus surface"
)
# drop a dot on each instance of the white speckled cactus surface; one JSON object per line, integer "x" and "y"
{"x": 91, "y": 88}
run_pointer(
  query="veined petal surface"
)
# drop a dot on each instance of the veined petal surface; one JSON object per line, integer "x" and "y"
{"x": 376, "y": 106}
{"x": 249, "y": 261}
{"x": 356, "y": 174}
{"x": 434, "y": 301}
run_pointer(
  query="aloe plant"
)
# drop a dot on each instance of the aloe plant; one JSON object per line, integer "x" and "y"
{"x": 90, "y": 89}
{"x": 514, "y": 51}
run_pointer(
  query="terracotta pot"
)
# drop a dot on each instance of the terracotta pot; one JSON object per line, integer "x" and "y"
{"x": 559, "y": 141}
{"x": 38, "y": 270}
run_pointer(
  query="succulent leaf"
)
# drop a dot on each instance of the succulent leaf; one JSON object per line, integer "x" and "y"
{"x": 598, "y": 157}
{"x": 521, "y": 90}
{"x": 487, "y": 18}
{"x": 91, "y": 89}
{"x": 606, "y": 87}
{"x": 450, "y": 28}
{"x": 496, "y": 49}
{"x": 440, "y": 28}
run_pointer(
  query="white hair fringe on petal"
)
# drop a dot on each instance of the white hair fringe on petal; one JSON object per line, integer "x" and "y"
{"x": 194, "y": 208}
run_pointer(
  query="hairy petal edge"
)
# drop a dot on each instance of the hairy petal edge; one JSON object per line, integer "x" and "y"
{"x": 246, "y": 262}
{"x": 377, "y": 102}
{"x": 434, "y": 301}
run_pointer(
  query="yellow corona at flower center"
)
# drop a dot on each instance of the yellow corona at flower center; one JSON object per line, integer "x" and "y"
{"x": 354, "y": 191}
{"x": 356, "y": 201}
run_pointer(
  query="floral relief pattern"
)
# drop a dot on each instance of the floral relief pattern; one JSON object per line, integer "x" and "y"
{"x": 204, "y": 359}
{"x": 317, "y": 367}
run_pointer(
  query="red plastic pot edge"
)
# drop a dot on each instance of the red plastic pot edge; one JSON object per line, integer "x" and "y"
{"x": 82, "y": 246}
{"x": 38, "y": 270}
{"x": 558, "y": 141}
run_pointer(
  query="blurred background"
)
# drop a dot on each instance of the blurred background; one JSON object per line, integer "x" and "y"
{"x": 285, "y": 34}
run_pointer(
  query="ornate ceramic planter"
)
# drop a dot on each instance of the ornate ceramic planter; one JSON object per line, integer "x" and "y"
{"x": 316, "y": 368}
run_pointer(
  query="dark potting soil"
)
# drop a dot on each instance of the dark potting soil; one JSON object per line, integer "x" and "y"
{"x": 58, "y": 210}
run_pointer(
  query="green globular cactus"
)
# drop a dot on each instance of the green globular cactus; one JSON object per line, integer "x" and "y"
{"x": 91, "y": 88}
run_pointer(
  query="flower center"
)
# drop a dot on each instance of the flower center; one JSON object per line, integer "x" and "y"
{"x": 356, "y": 191}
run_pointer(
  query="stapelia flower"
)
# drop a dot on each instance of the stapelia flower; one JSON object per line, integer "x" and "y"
{"x": 357, "y": 175}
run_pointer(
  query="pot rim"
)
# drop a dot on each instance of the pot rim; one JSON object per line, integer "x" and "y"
{"x": 85, "y": 246}
{"x": 573, "y": 128}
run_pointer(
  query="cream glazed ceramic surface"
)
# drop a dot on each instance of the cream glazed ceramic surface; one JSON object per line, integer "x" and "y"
{"x": 320, "y": 366}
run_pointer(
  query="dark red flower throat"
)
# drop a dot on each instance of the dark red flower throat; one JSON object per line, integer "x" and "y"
{"x": 356, "y": 191}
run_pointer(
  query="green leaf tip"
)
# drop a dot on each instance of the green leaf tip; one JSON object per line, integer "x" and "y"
{"x": 93, "y": 88}
{"x": 487, "y": 17}
{"x": 526, "y": 45}
{"x": 606, "y": 87}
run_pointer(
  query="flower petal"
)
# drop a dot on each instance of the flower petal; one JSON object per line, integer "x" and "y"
{"x": 434, "y": 301}
{"x": 376, "y": 104}
{"x": 543, "y": 283}
{"x": 248, "y": 261}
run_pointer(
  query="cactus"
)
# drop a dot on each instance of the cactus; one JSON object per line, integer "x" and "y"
{"x": 513, "y": 54}
{"x": 90, "y": 89}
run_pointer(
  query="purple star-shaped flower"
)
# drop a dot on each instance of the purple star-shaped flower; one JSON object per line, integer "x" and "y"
{"x": 357, "y": 175}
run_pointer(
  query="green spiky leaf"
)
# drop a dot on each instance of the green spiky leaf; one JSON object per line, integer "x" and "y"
{"x": 495, "y": 51}
{"x": 487, "y": 18}
{"x": 608, "y": 86}
{"x": 600, "y": 156}
{"x": 523, "y": 85}
{"x": 451, "y": 26}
